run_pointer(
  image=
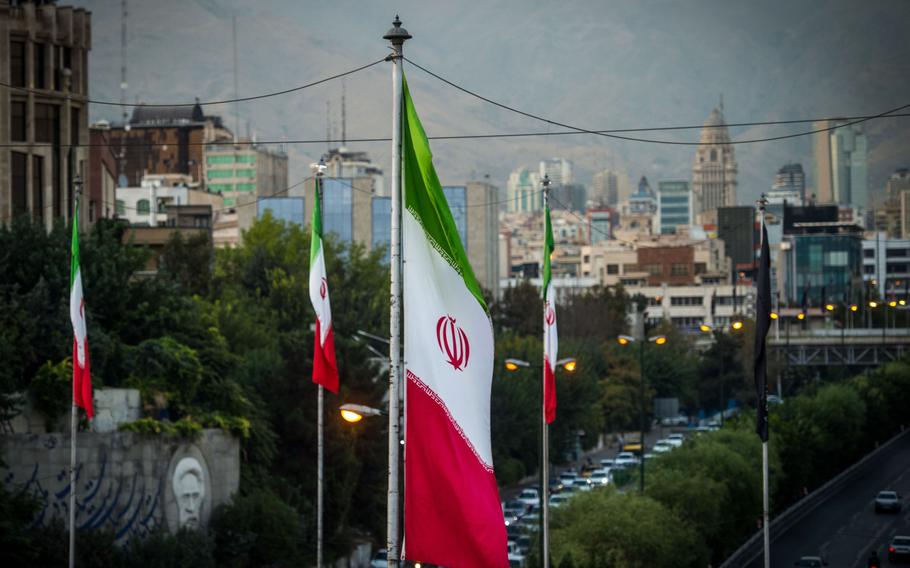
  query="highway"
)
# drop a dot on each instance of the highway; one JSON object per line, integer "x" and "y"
{"x": 845, "y": 528}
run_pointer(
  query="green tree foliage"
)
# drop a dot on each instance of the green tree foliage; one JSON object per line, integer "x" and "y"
{"x": 258, "y": 529}
{"x": 603, "y": 528}
{"x": 721, "y": 371}
{"x": 520, "y": 310}
{"x": 671, "y": 369}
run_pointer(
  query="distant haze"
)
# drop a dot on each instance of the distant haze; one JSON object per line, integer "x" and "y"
{"x": 595, "y": 64}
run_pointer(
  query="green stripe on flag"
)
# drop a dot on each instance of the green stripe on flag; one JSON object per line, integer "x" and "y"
{"x": 424, "y": 198}
{"x": 74, "y": 264}
{"x": 316, "y": 223}
{"x": 547, "y": 251}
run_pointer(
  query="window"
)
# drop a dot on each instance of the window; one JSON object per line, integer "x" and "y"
{"x": 142, "y": 207}
{"x": 74, "y": 126}
{"x": 247, "y": 173}
{"x": 17, "y": 63}
{"x": 338, "y": 210}
{"x": 457, "y": 199}
{"x": 37, "y": 188}
{"x": 19, "y": 182}
{"x": 38, "y": 51}
{"x": 246, "y": 187}
{"x": 815, "y": 258}
{"x": 897, "y": 267}
{"x": 17, "y": 121}
{"x": 220, "y": 174}
{"x": 686, "y": 301}
{"x": 656, "y": 301}
{"x": 219, "y": 159}
{"x": 120, "y": 207}
{"x": 868, "y": 253}
{"x": 627, "y": 268}
{"x": 896, "y": 252}
{"x": 654, "y": 269}
{"x": 700, "y": 268}
{"x": 713, "y": 155}
{"x": 246, "y": 159}
{"x": 47, "y": 123}
{"x": 220, "y": 187}
{"x": 612, "y": 269}
{"x": 678, "y": 269}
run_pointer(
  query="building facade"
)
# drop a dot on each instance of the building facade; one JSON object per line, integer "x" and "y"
{"x": 148, "y": 204}
{"x": 601, "y": 222}
{"x": 841, "y": 163}
{"x": 736, "y": 227}
{"x": 790, "y": 179}
{"x": 605, "y": 189}
{"x": 523, "y": 191}
{"x": 674, "y": 206}
{"x": 714, "y": 169}
{"x": 44, "y": 129}
{"x": 559, "y": 170}
{"x": 886, "y": 264}
{"x": 245, "y": 169}
{"x": 344, "y": 163}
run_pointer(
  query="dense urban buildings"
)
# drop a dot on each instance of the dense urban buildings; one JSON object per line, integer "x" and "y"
{"x": 344, "y": 163}
{"x": 245, "y": 168}
{"x": 523, "y": 191}
{"x": 714, "y": 169}
{"x": 605, "y": 188}
{"x": 559, "y": 170}
{"x": 841, "y": 163}
{"x": 43, "y": 48}
{"x": 674, "y": 206}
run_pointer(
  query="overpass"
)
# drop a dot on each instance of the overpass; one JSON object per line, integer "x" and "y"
{"x": 854, "y": 347}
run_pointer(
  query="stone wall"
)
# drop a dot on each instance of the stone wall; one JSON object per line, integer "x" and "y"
{"x": 129, "y": 483}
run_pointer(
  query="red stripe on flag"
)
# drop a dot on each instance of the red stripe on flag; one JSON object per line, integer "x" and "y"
{"x": 325, "y": 369}
{"x": 82, "y": 382}
{"x": 451, "y": 500}
{"x": 549, "y": 391}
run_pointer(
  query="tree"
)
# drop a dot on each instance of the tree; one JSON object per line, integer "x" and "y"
{"x": 520, "y": 310}
{"x": 720, "y": 370}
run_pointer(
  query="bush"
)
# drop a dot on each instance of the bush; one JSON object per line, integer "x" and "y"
{"x": 258, "y": 529}
{"x": 52, "y": 393}
{"x": 186, "y": 549}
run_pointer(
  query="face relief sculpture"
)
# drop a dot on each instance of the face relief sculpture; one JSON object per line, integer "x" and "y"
{"x": 189, "y": 489}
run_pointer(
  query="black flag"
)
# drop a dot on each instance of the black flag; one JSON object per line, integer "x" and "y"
{"x": 762, "y": 325}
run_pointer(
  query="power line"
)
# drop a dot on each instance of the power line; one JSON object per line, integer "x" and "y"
{"x": 634, "y": 139}
{"x": 204, "y": 103}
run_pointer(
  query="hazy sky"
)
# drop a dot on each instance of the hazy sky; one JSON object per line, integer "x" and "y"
{"x": 594, "y": 64}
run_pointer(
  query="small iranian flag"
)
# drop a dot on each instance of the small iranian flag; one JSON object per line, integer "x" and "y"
{"x": 451, "y": 500}
{"x": 550, "y": 339}
{"x": 325, "y": 369}
{"x": 82, "y": 377}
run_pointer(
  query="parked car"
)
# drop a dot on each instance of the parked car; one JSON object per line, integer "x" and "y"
{"x": 524, "y": 544}
{"x": 529, "y": 497}
{"x": 559, "y": 500}
{"x": 380, "y": 559}
{"x": 515, "y": 507}
{"x": 606, "y": 463}
{"x": 516, "y": 558}
{"x": 676, "y": 439}
{"x": 899, "y": 549}
{"x": 680, "y": 420}
{"x": 888, "y": 501}
{"x": 624, "y": 459}
{"x": 583, "y": 485}
{"x": 662, "y": 447}
{"x": 810, "y": 562}
{"x": 567, "y": 478}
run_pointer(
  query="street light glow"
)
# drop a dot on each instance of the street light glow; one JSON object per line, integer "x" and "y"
{"x": 774, "y": 315}
{"x": 902, "y": 302}
{"x": 829, "y": 307}
{"x": 569, "y": 364}
{"x": 854, "y": 307}
{"x": 351, "y": 416}
{"x": 705, "y": 328}
{"x": 892, "y": 303}
{"x": 800, "y": 316}
{"x": 659, "y": 340}
{"x": 737, "y": 325}
{"x": 513, "y": 365}
{"x": 873, "y": 304}
{"x": 356, "y": 412}
{"x": 625, "y": 340}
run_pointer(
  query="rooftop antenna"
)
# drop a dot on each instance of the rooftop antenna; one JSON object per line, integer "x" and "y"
{"x": 121, "y": 179}
{"x": 721, "y": 103}
{"x": 236, "y": 105}
{"x": 328, "y": 125}
{"x": 344, "y": 124}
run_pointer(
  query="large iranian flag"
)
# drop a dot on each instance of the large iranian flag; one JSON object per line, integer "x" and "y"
{"x": 82, "y": 376}
{"x": 452, "y": 515}
{"x": 325, "y": 369}
{"x": 550, "y": 340}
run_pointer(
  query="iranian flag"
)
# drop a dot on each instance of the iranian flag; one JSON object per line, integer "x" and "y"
{"x": 452, "y": 515}
{"x": 82, "y": 376}
{"x": 325, "y": 369}
{"x": 550, "y": 340}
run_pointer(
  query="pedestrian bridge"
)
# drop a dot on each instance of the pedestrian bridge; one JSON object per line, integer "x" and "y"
{"x": 854, "y": 347}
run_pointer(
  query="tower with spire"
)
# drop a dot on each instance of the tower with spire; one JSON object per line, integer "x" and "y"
{"x": 714, "y": 170}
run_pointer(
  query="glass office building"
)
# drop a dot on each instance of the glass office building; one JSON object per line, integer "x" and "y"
{"x": 674, "y": 205}
{"x": 457, "y": 197}
{"x": 288, "y": 209}
{"x": 832, "y": 261}
{"x": 382, "y": 224}
{"x": 338, "y": 208}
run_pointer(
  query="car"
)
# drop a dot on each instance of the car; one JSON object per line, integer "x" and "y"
{"x": 583, "y": 485}
{"x": 587, "y": 470}
{"x": 559, "y": 500}
{"x": 515, "y": 507}
{"x": 679, "y": 420}
{"x": 676, "y": 439}
{"x": 530, "y": 497}
{"x": 606, "y": 463}
{"x": 599, "y": 478}
{"x": 774, "y": 399}
{"x": 515, "y": 532}
{"x": 625, "y": 459}
{"x": 888, "y": 501}
{"x": 380, "y": 559}
{"x": 899, "y": 549}
{"x": 524, "y": 543}
{"x": 649, "y": 456}
{"x": 662, "y": 447}
{"x": 555, "y": 486}
{"x": 531, "y": 521}
{"x": 810, "y": 562}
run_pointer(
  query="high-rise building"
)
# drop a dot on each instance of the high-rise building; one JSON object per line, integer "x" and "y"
{"x": 841, "y": 163}
{"x": 476, "y": 216}
{"x": 790, "y": 183}
{"x": 245, "y": 169}
{"x": 605, "y": 188}
{"x": 714, "y": 170}
{"x": 43, "y": 48}
{"x": 344, "y": 163}
{"x": 570, "y": 196}
{"x": 523, "y": 191}
{"x": 601, "y": 222}
{"x": 639, "y": 210}
{"x": 898, "y": 183}
{"x": 559, "y": 170}
{"x": 736, "y": 227}
{"x": 674, "y": 206}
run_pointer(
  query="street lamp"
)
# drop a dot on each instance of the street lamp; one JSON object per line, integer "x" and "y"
{"x": 774, "y": 315}
{"x": 626, "y": 340}
{"x": 736, "y": 325}
{"x": 354, "y": 413}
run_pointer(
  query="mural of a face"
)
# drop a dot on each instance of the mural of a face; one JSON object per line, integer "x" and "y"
{"x": 188, "y": 485}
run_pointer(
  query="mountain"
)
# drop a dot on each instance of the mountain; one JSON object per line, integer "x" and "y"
{"x": 591, "y": 63}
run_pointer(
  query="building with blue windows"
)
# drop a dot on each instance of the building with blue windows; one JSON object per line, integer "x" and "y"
{"x": 674, "y": 206}
{"x": 381, "y": 225}
{"x": 457, "y": 198}
{"x": 287, "y": 209}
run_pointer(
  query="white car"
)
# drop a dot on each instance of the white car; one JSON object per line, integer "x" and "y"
{"x": 662, "y": 447}
{"x": 582, "y": 485}
{"x": 625, "y": 459}
{"x": 567, "y": 479}
{"x": 606, "y": 463}
{"x": 559, "y": 500}
{"x": 676, "y": 440}
{"x": 680, "y": 420}
{"x": 516, "y": 558}
{"x": 529, "y": 497}
{"x": 599, "y": 478}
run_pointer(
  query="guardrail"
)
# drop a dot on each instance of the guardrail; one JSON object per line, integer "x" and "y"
{"x": 751, "y": 550}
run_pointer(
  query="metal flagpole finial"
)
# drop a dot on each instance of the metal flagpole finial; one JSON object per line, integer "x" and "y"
{"x": 397, "y": 34}
{"x": 545, "y": 182}
{"x": 319, "y": 168}
{"x": 762, "y": 202}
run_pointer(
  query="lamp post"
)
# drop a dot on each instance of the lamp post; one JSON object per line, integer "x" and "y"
{"x": 625, "y": 341}
{"x": 735, "y": 325}
{"x": 568, "y": 364}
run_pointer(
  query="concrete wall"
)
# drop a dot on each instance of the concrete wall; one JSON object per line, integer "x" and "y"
{"x": 125, "y": 482}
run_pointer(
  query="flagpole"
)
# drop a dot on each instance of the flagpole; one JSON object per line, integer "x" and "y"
{"x": 544, "y": 439}
{"x": 762, "y": 406}
{"x": 77, "y": 183}
{"x": 397, "y": 36}
{"x": 320, "y": 426}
